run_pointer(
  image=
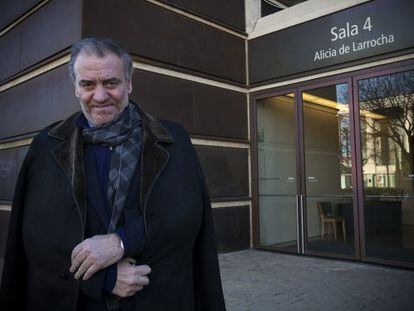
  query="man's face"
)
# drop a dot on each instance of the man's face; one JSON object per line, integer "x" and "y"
{"x": 101, "y": 86}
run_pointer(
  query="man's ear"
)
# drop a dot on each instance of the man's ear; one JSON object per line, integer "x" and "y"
{"x": 76, "y": 90}
{"x": 129, "y": 87}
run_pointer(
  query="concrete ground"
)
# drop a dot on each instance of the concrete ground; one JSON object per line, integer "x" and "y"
{"x": 264, "y": 281}
{"x": 261, "y": 281}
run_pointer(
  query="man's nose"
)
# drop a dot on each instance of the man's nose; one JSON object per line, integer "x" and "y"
{"x": 100, "y": 94}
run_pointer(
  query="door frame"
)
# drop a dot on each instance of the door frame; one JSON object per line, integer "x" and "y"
{"x": 357, "y": 178}
{"x": 255, "y": 168}
{"x": 404, "y": 66}
{"x": 319, "y": 84}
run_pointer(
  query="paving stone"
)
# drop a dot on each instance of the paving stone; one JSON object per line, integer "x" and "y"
{"x": 256, "y": 280}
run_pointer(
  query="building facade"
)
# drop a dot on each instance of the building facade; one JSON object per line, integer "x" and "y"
{"x": 302, "y": 119}
{"x": 331, "y": 95}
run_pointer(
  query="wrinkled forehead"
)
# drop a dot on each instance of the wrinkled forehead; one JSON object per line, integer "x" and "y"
{"x": 93, "y": 64}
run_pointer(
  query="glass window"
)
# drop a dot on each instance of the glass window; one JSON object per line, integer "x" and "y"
{"x": 277, "y": 172}
{"x": 386, "y": 107}
{"x": 328, "y": 170}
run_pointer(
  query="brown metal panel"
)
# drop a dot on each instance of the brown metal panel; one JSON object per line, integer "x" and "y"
{"x": 10, "y": 54}
{"x": 10, "y": 10}
{"x": 229, "y": 13}
{"x": 232, "y": 228}
{"x": 4, "y": 228}
{"x": 10, "y": 162}
{"x": 154, "y": 33}
{"x": 164, "y": 97}
{"x": 39, "y": 36}
{"x": 201, "y": 109}
{"x": 220, "y": 112}
{"x": 226, "y": 171}
{"x": 31, "y": 106}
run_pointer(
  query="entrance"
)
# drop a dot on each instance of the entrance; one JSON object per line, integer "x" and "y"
{"x": 335, "y": 168}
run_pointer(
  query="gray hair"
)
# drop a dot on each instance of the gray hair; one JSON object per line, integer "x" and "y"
{"x": 100, "y": 47}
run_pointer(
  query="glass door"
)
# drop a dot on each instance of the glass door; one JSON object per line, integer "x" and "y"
{"x": 277, "y": 172}
{"x": 328, "y": 170}
{"x": 386, "y": 126}
{"x": 335, "y": 167}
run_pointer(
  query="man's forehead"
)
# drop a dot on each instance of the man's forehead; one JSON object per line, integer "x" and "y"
{"x": 90, "y": 63}
{"x": 86, "y": 57}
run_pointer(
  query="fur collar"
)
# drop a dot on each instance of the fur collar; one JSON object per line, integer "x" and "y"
{"x": 70, "y": 157}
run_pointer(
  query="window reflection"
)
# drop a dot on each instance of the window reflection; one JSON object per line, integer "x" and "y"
{"x": 387, "y": 132}
{"x": 387, "y": 142}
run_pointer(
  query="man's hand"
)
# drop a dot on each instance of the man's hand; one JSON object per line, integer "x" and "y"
{"x": 94, "y": 254}
{"x": 130, "y": 278}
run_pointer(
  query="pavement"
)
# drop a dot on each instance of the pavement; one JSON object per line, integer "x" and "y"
{"x": 265, "y": 281}
{"x": 256, "y": 280}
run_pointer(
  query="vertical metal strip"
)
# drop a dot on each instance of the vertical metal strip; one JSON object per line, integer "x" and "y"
{"x": 298, "y": 234}
{"x": 357, "y": 172}
{"x": 255, "y": 210}
{"x": 300, "y": 167}
{"x": 298, "y": 175}
{"x": 302, "y": 224}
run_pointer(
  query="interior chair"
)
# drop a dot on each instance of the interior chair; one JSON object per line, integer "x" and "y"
{"x": 330, "y": 216}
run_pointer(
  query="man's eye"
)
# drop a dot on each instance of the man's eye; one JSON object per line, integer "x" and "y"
{"x": 86, "y": 85}
{"x": 111, "y": 83}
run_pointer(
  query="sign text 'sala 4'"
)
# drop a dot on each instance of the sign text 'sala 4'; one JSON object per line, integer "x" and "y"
{"x": 352, "y": 30}
{"x": 378, "y": 28}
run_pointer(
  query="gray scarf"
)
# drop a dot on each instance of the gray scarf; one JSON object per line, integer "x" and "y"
{"x": 123, "y": 136}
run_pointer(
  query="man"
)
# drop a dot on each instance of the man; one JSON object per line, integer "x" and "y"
{"x": 110, "y": 208}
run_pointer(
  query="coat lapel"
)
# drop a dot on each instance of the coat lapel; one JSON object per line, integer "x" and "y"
{"x": 154, "y": 156}
{"x": 69, "y": 155}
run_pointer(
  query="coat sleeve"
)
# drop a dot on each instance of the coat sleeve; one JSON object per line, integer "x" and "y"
{"x": 207, "y": 280}
{"x": 94, "y": 287}
{"x": 14, "y": 276}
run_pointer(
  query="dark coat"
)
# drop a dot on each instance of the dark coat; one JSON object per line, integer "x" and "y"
{"x": 49, "y": 215}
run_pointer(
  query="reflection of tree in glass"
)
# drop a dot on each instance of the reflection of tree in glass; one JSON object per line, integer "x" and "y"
{"x": 387, "y": 129}
{"x": 345, "y": 144}
{"x": 342, "y": 92}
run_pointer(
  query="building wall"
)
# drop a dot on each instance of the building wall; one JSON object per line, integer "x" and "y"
{"x": 190, "y": 68}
